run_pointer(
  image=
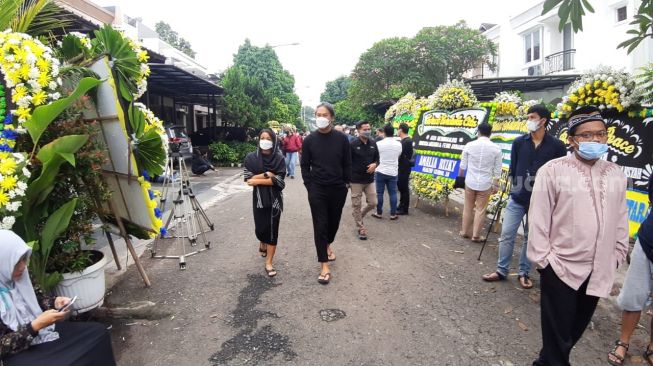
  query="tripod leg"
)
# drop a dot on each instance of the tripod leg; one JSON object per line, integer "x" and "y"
{"x": 179, "y": 218}
{"x": 202, "y": 213}
{"x": 168, "y": 172}
{"x": 489, "y": 229}
{"x": 169, "y": 220}
{"x": 202, "y": 232}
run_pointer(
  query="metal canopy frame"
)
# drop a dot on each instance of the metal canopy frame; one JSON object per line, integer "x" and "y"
{"x": 485, "y": 89}
{"x": 181, "y": 85}
{"x": 72, "y": 22}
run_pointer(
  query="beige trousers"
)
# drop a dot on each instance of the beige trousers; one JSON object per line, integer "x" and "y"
{"x": 357, "y": 191}
{"x": 474, "y": 211}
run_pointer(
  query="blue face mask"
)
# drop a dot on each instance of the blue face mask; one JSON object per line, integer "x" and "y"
{"x": 592, "y": 150}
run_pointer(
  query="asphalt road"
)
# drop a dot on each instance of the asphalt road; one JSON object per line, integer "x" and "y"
{"x": 411, "y": 295}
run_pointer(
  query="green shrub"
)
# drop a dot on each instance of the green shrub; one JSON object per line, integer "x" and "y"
{"x": 223, "y": 153}
{"x": 242, "y": 149}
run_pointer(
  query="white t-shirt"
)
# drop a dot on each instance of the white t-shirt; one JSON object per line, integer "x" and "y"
{"x": 389, "y": 151}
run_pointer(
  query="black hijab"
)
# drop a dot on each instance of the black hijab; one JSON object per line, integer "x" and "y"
{"x": 259, "y": 163}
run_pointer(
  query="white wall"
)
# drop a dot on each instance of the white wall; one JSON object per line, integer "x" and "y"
{"x": 150, "y": 39}
{"x": 595, "y": 45}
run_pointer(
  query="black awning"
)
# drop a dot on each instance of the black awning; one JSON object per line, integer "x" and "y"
{"x": 71, "y": 22}
{"x": 174, "y": 82}
{"x": 485, "y": 89}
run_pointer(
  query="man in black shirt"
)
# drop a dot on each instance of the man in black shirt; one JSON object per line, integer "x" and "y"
{"x": 364, "y": 160}
{"x": 528, "y": 153}
{"x": 326, "y": 171}
{"x": 405, "y": 166}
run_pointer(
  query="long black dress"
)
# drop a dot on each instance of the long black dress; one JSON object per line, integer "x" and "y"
{"x": 79, "y": 344}
{"x": 267, "y": 201}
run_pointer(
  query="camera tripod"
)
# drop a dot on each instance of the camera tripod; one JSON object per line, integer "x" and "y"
{"x": 188, "y": 215}
{"x": 497, "y": 212}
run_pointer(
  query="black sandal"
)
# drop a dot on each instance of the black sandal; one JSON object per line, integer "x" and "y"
{"x": 325, "y": 278}
{"x": 620, "y": 359}
{"x": 647, "y": 354}
{"x": 263, "y": 249}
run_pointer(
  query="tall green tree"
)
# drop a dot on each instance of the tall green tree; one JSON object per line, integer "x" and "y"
{"x": 447, "y": 52}
{"x": 336, "y": 90}
{"x": 394, "y": 66}
{"x": 167, "y": 34}
{"x": 263, "y": 64}
{"x": 243, "y": 100}
{"x": 384, "y": 71}
{"x": 350, "y": 113}
{"x": 347, "y": 111}
{"x": 185, "y": 47}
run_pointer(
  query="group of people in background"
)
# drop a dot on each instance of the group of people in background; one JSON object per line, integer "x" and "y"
{"x": 570, "y": 203}
{"x": 333, "y": 162}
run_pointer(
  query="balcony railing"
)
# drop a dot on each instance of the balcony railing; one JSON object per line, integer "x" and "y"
{"x": 559, "y": 61}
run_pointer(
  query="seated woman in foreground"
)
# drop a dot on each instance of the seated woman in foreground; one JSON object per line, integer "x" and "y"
{"x": 28, "y": 333}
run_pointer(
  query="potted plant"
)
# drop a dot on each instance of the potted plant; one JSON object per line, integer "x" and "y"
{"x": 43, "y": 217}
{"x": 81, "y": 267}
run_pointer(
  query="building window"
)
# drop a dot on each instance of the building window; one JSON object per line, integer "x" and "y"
{"x": 622, "y": 14}
{"x": 532, "y": 47}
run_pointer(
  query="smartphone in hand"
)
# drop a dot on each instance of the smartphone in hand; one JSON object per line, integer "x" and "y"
{"x": 67, "y": 307}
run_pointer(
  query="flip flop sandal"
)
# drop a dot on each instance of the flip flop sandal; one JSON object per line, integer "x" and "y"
{"x": 619, "y": 360}
{"x": 331, "y": 257}
{"x": 324, "y": 278}
{"x": 464, "y": 236}
{"x": 525, "y": 282}
{"x": 263, "y": 250}
{"x": 478, "y": 239}
{"x": 647, "y": 355}
{"x": 362, "y": 234}
{"x": 271, "y": 272}
{"x": 490, "y": 278}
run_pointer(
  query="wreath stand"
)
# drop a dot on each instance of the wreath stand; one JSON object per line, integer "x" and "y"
{"x": 445, "y": 203}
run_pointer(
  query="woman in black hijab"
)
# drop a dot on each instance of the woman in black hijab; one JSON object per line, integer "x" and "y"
{"x": 265, "y": 170}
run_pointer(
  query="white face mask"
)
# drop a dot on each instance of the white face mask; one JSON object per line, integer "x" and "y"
{"x": 532, "y": 125}
{"x": 265, "y": 144}
{"x": 322, "y": 122}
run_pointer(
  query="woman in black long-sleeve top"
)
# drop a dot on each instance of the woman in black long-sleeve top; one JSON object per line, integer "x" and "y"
{"x": 265, "y": 170}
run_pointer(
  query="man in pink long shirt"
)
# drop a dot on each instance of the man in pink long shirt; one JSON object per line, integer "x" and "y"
{"x": 578, "y": 227}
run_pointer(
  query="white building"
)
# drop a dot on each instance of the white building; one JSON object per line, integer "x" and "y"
{"x": 179, "y": 89}
{"x": 531, "y": 44}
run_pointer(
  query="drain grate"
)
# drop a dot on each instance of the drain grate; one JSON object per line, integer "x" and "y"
{"x": 331, "y": 315}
